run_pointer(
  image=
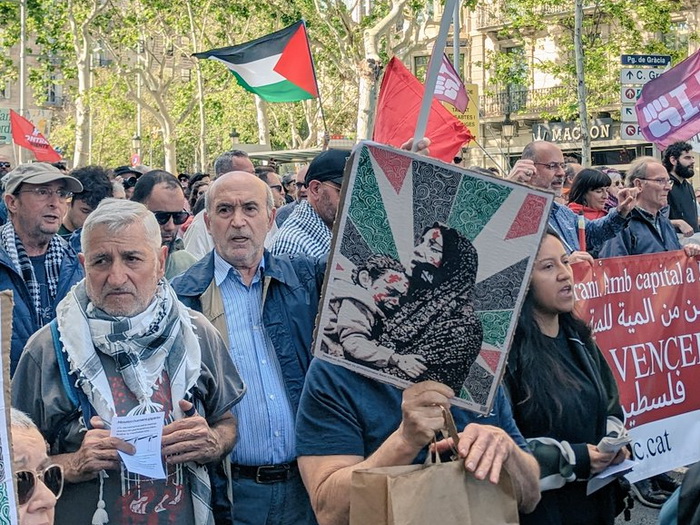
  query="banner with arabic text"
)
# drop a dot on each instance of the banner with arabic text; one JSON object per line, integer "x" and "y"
{"x": 645, "y": 315}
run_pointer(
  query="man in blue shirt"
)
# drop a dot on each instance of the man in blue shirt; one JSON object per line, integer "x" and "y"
{"x": 348, "y": 422}
{"x": 264, "y": 307}
{"x": 542, "y": 166}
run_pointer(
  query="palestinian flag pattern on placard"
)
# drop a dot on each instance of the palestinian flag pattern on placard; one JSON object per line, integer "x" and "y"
{"x": 393, "y": 197}
{"x": 278, "y": 67}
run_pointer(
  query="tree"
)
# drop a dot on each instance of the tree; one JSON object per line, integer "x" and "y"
{"x": 607, "y": 28}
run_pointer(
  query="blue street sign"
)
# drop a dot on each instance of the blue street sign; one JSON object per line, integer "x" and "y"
{"x": 645, "y": 60}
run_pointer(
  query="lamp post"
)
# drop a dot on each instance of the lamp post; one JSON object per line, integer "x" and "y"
{"x": 509, "y": 129}
{"x": 235, "y": 137}
{"x": 136, "y": 148}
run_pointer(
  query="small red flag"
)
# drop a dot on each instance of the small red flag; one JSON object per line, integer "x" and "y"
{"x": 25, "y": 135}
{"x": 397, "y": 114}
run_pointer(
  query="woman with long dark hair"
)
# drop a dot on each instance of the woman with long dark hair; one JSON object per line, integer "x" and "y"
{"x": 589, "y": 193}
{"x": 564, "y": 397}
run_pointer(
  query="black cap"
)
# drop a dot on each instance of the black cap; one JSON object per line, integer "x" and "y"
{"x": 328, "y": 166}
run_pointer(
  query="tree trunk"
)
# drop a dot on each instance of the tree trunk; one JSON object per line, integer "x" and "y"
{"x": 82, "y": 106}
{"x": 263, "y": 122}
{"x": 369, "y": 72}
{"x": 581, "y": 86}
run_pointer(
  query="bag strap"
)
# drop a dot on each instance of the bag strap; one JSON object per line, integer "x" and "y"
{"x": 450, "y": 430}
{"x": 70, "y": 380}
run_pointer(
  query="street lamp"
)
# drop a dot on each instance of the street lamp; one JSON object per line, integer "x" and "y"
{"x": 509, "y": 129}
{"x": 136, "y": 144}
{"x": 235, "y": 137}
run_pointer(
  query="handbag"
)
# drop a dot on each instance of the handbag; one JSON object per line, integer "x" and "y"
{"x": 436, "y": 492}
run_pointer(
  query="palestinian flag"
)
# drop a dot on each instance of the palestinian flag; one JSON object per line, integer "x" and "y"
{"x": 277, "y": 67}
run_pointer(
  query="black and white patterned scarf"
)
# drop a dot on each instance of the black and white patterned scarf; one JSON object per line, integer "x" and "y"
{"x": 160, "y": 338}
{"x": 18, "y": 255}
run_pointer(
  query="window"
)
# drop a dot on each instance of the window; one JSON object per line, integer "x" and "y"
{"x": 54, "y": 93}
{"x": 678, "y": 36}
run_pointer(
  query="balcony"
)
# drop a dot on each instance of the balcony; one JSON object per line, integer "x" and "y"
{"x": 500, "y": 12}
{"x": 523, "y": 101}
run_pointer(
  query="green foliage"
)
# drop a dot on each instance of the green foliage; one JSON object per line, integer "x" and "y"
{"x": 610, "y": 28}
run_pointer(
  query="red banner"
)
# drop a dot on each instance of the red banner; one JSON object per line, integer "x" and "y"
{"x": 668, "y": 109}
{"x": 25, "y": 134}
{"x": 645, "y": 315}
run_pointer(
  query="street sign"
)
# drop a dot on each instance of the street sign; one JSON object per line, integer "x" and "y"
{"x": 629, "y": 94}
{"x": 5, "y": 132}
{"x": 631, "y": 132}
{"x": 628, "y": 114}
{"x": 645, "y": 60}
{"x": 634, "y": 75}
{"x": 471, "y": 115}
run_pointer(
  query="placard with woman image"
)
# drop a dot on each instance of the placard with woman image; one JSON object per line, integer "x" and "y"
{"x": 428, "y": 269}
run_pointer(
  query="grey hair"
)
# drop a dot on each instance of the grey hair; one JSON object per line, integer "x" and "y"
{"x": 117, "y": 215}
{"x": 208, "y": 196}
{"x": 225, "y": 162}
{"x": 19, "y": 419}
{"x": 638, "y": 169}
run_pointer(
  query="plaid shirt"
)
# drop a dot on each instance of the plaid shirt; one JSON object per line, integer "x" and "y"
{"x": 304, "y": 232}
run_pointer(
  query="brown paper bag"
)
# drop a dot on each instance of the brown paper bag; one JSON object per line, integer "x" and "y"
{"x": 433, "y": 493}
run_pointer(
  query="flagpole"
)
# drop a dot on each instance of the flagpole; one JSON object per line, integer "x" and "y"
{"x": 22, "y": 63}
{"x": 455, "y": 41}
{"x": 326, "y": 135}
{"x": 433, "y": 70}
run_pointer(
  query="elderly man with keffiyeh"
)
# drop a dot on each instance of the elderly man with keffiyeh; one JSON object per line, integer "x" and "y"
{"x": 123, "y": 345}
{"x": 35, "y": 263}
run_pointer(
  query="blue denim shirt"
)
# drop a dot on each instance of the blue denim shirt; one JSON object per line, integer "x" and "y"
{"x": 565, "y": 222}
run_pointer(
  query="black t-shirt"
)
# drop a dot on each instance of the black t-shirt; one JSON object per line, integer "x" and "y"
{"x": 40, "y": 275}
{"x": 682, "y": 204}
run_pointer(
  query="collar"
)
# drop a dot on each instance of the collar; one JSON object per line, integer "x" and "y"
{"x": 223, "y": 269}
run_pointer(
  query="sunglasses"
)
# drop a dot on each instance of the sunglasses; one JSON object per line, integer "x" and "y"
{"x": 52, "y": 476}
{"x": 4, "y": 164}
{"x": 179, "y": 217}
{"x": 300, "y": 185}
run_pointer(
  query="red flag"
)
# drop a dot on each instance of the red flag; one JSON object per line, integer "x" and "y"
{"x": 449, "y": 87}
{"x": 397, "y": 114}
{"x": 667, "y": 109}
{"x": 24, "y": 134}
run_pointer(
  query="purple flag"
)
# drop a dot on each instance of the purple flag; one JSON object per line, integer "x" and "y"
{"x": 449, "y": 87}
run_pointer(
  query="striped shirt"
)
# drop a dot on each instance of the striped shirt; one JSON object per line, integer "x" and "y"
{"x": 265, "y": 415}
{"x": 304, "y": 232}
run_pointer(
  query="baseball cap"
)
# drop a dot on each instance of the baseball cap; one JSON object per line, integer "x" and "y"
{"x": 125, "y": 171}
{"x": 39, "y": 173}
{"x": 328, "y": 166}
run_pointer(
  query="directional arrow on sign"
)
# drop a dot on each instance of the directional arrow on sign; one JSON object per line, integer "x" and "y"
{"x": 635, "y": 75}
{"x": 630, "y": 94}
{"x": 628, "y": 114}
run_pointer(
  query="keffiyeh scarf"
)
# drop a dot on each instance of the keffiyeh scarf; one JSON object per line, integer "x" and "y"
{"x": 142, "y": 346}
{"x": 18, "y": 255}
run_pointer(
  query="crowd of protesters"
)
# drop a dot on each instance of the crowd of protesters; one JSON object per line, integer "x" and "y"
{"x": 139, "y": 291}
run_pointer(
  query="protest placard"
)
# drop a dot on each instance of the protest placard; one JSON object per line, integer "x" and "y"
{"x": 427, "y": 272}
{"x": 8, "y": 506}
{"x": 645, "y": 315}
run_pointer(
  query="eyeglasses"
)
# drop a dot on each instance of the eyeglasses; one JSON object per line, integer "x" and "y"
{"x": 662, "y": 181}
{"x": 618, "y": 183}
{"x": 52, "y": 476}
{"x": 276, "y": 187}
{"x": 300, "y": 185}
{"x": 4, "y": 164}
{"x": 46, "y": 193}
{"x": 552, "y": 165}
{"x": 179, "y": 217}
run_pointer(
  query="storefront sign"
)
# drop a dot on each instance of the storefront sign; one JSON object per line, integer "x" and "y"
{"x": 600, "y": 129}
